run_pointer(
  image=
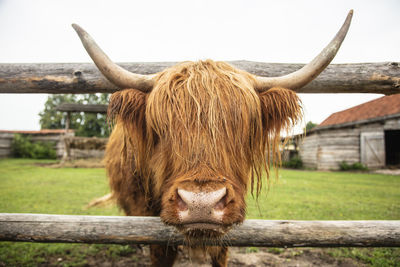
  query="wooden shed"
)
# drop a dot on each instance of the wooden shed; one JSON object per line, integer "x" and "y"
{"x": 368, "y": 133}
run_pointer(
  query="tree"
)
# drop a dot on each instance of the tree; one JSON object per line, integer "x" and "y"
{"x": 84, "y": 124}
{"x": 309, "y": 126}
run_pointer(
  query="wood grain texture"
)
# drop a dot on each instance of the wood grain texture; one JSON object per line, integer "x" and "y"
{"x": 150, "y": 230}
{"x": 79, "y": 78}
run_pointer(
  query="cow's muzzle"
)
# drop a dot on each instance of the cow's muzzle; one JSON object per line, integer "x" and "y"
{"x": 201, "y": 210}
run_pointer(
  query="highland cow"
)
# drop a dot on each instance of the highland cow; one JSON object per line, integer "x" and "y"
{"x": 189, "y": 142}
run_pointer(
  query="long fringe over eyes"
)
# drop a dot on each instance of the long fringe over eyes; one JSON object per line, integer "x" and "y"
{"x": 208, "y": 113}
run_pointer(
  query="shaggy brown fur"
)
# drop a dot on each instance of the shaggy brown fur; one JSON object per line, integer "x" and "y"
{"x": 202, "y": 127}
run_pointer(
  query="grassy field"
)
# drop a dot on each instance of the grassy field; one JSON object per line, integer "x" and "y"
{"x": 28, "y": 186}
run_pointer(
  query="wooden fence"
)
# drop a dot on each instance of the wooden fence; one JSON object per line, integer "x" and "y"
{"x": 383, "y": 78}
{"x": 150, "y": 230}
{"x": 80, "y": 78}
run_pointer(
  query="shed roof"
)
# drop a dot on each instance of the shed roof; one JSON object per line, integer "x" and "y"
{"x": 89, "y": 108}
{"x": 381, "y": 107}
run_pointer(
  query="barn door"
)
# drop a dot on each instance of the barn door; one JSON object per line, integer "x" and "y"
{"x": 373, "y": 149}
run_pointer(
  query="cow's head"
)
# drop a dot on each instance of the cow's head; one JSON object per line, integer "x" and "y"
{"x": 203, "y": 132}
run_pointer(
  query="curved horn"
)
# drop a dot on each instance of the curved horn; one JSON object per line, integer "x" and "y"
{"x": 301, "y": 77}
{"x": 114, "y": 73}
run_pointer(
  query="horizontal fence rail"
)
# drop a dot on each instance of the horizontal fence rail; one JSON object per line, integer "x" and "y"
{"x": 150, "y": 230}
{"x": 81, "y": 78}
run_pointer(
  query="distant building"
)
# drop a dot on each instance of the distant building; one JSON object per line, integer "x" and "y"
{"x": 368, "y": 133}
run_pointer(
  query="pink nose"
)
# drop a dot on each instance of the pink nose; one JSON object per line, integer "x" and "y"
{"x": 201, "y": 207}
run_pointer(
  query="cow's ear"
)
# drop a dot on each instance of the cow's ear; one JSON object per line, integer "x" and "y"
{"x": 281, "y": 109}
{"x": 127, "y": 105}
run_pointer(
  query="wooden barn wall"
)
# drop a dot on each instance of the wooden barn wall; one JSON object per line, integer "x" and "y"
{"x": 5, "y": 144}
{"x": 308, "y": 151}
{"x": 325, "y": 149}
{"x": 392, "y": 124}
{"x": 6, "y": 140}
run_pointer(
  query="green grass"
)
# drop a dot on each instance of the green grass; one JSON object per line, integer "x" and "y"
{"x": 26, "y": 187}
{"x": 311, "y": 195}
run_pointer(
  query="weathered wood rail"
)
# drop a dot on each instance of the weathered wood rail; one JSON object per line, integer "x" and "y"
{"x": 80, "y": 78}
{"x": 150, "y": 230}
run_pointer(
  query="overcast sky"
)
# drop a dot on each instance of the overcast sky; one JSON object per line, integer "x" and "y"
{"x": 146, "y": 30}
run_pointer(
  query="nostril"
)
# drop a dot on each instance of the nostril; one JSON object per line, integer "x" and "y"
{"x": 221, "y": 204}
{"x": 182, "y": 206}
